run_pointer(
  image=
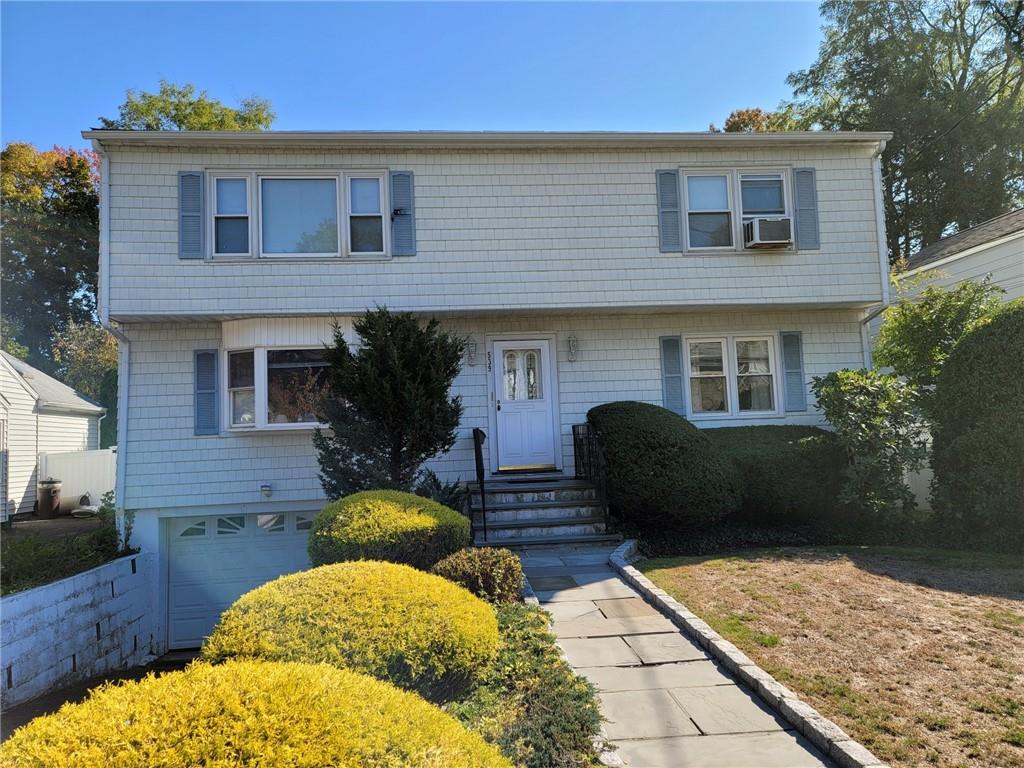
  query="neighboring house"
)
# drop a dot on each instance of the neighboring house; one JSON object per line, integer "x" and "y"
{"x": 994, "y": 248}
{"x": 714, "y": 274}
{"x": 39, "y": 414}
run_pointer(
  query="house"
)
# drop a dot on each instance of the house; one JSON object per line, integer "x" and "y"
{"x": 995, "y": 247}
{"x": 713, "y": 274}
{"x": 38, "y": 414}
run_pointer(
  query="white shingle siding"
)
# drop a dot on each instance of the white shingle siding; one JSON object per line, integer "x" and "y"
{"x": 538, "y": 229}
{"x": 1003, "y": 260}
{"x": 21, "y": 443}
{"x": 170, "y": 469}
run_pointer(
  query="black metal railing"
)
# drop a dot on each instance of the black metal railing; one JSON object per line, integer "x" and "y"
{"x": 479, "y": 436}
{"x": 591, "y": 465}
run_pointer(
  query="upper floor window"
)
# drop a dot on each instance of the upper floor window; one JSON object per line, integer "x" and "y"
{"x": 718, "y": 203}
{"x": 276, "y": 215}
{"x": 732, "y": 376}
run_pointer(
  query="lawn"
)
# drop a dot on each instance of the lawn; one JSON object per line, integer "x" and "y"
{"x": 918, "y": 654}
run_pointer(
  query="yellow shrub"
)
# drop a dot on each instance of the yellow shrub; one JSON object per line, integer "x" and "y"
{"x": 394, "y": 622}
{"x": 249, "y": 713}
{"x": 387, "y": 525}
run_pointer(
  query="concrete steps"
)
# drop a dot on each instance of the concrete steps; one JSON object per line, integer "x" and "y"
{"x": 546, "y": 509}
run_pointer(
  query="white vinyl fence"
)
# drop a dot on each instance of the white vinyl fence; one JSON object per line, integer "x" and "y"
{"x": 81, "y": 472}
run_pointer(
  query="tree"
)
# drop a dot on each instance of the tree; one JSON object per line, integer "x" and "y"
{"x": 9, "y": 339}
{"x": 919, "y": 331}
{"x": 50, "y": 244}
{"x": 389, "y": 405}
{"x": 85, "y": 356}
{"x": 757, "y": 120}
{"x": 180, "y": 108}
{"x": 943, "y": 76}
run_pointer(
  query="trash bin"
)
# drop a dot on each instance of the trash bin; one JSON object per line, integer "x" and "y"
{"x": 48, "y": 498}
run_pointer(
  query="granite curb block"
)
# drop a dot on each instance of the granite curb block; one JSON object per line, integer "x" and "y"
{"x": 819, "y": 730}
{"x": 606, "y": 754}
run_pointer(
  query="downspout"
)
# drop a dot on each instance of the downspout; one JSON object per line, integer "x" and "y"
{"x": 123, "y": 344}
{"x": 883, "y": 254}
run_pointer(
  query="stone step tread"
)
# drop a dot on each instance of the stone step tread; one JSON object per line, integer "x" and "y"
{"x": 551, "y": 522}
{"x": 515, "y": 506}
{"x": 532, "y": 486}
{"x": 526, "y": 541}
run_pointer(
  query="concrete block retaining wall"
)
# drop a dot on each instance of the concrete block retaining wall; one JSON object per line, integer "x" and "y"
{"x": 85, "y": 625}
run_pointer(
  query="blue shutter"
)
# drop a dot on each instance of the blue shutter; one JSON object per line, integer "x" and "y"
{"x": 207, "y": 421}
{"x": 794, "y": 386}
{"x": 805, "y": 194}
{"x": 672, "y": 374}
{"x": 190, "y": 215}
{"x": 403, "y": 214}
{"x": 669, "y": 226}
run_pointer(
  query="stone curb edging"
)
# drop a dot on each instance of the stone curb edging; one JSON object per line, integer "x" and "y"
{"x": 820, "y": 731}
{"x": 606, "y": 754}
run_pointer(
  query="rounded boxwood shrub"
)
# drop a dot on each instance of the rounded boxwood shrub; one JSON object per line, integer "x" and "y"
{"x": 387, "y": 525}
{"x": 249, "y": 713}
{"x": 394, "y": 622}
{"x": 789, "y": 474}
{"x": 978, "y": 448}
{"x": 663, "y": 472}
{"x": 494, "y": 574}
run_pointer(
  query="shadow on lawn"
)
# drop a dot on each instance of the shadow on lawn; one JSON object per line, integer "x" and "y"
{"x": 969, "y": 573}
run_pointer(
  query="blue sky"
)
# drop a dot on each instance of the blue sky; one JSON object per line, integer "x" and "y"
{"x": 541, "y": 66}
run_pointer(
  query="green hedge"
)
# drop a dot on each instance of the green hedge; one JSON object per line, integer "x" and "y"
{"x": 249, "y": 713}
{"x": 494, "y": 574}
{"x": 530, "y": 703}
{"x": 978, "y": 448}
{"x": 387, "y": 525}
{"x": 394, "y": 622}
{"x": 789, "y": 475}
{"x": 663, "y": 472}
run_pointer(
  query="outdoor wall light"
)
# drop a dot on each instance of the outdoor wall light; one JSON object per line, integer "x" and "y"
{"x": 267, "y": 490}
{"x": 471, "y": 353}
{"x": 573, "y": 348}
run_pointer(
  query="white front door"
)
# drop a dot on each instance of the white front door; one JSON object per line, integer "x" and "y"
{"x": 524, "y": 399}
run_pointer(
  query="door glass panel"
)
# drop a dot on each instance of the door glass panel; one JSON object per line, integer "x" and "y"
{"x": 230, "y": 525}
{"x": 533, "y": 376}
{"x": 511, "y": 375}
{"x": 270, "y": 523}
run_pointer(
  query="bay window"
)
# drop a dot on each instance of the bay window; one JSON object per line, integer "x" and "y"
{"x": 275, "y": 388}
{"x": 732, "y": 376}
{"x": 298, "y": 214}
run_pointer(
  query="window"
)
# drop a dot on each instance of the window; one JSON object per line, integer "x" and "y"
{"x": 523, "y": 375}
{"x": 762, "y": 195}
{"x": 718, "y": 203}
{"x": 231, "y": 217}
{"x": 242, "y": 388}
{"x": 299, "y": 216}
{"x": 275, "y": 388}
{"x": 365, "y": 214}
{"x": 708, "y": 211}
{"x": 295, "y": 384}
{"x": 732, "y": 376}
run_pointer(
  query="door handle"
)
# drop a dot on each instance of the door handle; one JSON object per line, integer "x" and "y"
{"x": 499, "y": 405}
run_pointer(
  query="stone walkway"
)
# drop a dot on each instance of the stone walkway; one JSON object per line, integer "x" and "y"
{"x": 665, "y": 701}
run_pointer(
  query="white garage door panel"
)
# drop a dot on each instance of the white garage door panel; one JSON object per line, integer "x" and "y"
{"x": 213, "y": 560}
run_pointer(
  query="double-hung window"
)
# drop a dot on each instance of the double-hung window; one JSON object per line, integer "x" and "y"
{"x": 299, "y": 214}
{"x": 231, "y": 216}
{"x": 709, "y": 207}
{"x": 762, "y": 195}
{"x": 275, "y": 388}
{"x": 732, "y": 376}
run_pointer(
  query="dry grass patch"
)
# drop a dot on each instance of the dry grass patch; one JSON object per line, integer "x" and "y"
{"x": 918, "y": 654}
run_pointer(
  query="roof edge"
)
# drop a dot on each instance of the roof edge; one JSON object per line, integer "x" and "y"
{"x": 481, "y": 139}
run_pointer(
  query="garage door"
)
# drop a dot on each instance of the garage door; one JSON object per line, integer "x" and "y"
{"x": 213, "y": 560}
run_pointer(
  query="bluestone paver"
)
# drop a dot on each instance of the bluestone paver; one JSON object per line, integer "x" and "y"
{"x": 665, "y": 701}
